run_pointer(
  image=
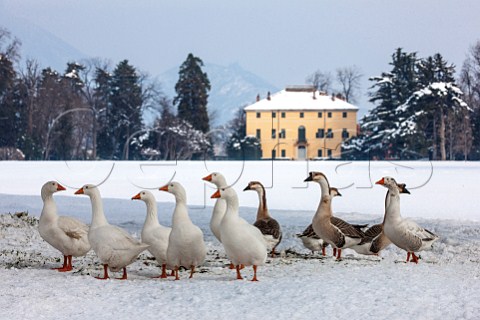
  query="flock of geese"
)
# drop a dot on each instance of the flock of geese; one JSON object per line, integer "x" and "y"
{"x": 182, "y": 244}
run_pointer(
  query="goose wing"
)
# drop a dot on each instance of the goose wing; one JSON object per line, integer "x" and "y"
{"x": 72, "y": 227}
{"x": 269, "y": 227}
{"x": 346, "y": 228}
{"x": 308, "y": 232}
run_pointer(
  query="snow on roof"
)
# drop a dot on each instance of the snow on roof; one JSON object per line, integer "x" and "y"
{"x": 300, "y": 98}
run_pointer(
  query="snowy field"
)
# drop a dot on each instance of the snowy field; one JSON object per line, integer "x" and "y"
{"x": 297, "y": 285}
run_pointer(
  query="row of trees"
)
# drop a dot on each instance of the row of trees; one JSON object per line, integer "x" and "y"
{"x": 421, "y": 111}
{"x": 92, "y": 112}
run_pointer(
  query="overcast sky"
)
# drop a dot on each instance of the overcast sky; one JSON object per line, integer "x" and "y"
{"x": 281, "y": 41}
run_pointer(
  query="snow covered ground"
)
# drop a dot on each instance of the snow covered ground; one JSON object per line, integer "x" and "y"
{"x": 297, "y": 285}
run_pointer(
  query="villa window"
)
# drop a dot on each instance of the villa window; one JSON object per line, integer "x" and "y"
{"x": 320, "y": 134}
{"x": 329, "y": 133}
{"x": 345, "y": 134}
{"x": 258, "y": 114}
{"x": 259, "y": 134}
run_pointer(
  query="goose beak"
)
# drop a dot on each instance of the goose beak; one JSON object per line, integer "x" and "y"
{"x": 339, "y": 194}
{"x": 164, "y": 188}
{"x": 381, "y": 181}
{"x": 79, "y": 191}
{"x": 216, "y": 195}
{"x": 309, "y": 178}
{"x": 247, "y": 188}
{"x": 60, "y": 187}
{"x": 207, "y": 178}
{"x": 136, "y": 197}
{"x": 405, "y": 190}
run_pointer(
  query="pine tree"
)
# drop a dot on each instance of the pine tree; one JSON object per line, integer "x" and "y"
{"x": 239, "y": 145}
{"x": 124, "y": 112}
{"x": 192, "y": 93}
{"x": 391, "y": 90}
{"x": 432, "y": 111}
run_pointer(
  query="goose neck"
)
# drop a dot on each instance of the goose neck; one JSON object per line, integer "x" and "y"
{"x": 49, "y": 209}
{"x": 392, "y": 207}
{"x": 152, "y": 215}
{"x": 98, "y": 216}
{"x": 262, "y": 211}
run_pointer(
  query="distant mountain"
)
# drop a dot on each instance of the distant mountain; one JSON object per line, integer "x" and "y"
{"x": 232, "y": 87}
{"x": 39, "y": 44}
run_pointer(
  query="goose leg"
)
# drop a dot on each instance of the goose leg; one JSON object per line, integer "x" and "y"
{"x": 105, "y": 273}
{"x": 69, "y": 264}
{"x": 254, "y": 273}
{"x": 192, "y": 271}
{"x": 239, "y": 275}
{"x": 124, "y": 276}
{"x": 176, "y": 273}
{"x": 164, "y": 271}
{"x": 334, "y": 252}
{"x": 339, "y": 254}
{"x": 414, "y": 258}
{"x": 408, "y": 256}
{"x": 172, "y": 274}
{"x": 64, "y": 268}
{"x": 323, "y": 251}
{"x": 232, "y": 266}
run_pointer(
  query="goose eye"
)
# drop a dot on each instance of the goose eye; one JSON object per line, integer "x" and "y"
{"x": 171, "y": 185}
{"x": 143, "y": 193}
{"x": 86, "y": 187}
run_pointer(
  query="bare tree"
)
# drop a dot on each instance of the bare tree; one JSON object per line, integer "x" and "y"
{"x": 322, "y": 81}
{"x": 12, "y": 45}
{"x": 349, "y": 80}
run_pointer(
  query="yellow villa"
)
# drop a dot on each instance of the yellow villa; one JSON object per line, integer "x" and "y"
{"x": 300, "y": 123}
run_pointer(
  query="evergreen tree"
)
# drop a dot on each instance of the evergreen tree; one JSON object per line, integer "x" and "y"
{"x": 124, "y": 112}
{"x": 105, "y": 140}
{"x": 391, "y": 90}
{"x": 8, "y": 110}
{"x": 239, "y": 145}
{"x": 192, "y": 93}
{"x": 432, "y": 111}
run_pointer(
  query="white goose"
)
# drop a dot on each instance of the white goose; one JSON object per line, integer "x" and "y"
{"x": 185, "y": 245}
{"x": 265, "y": 223}
{"x": 340, "y": 235}
{"x": 404, "y": 233}
{"x": 244, "y": 243}
{"x": 220, "y": 205}
{"x": 153, "y": 233}
{"x": 375, "y": 239}
{"x": 114, "y": 246}
{"x": 66, "y": 234}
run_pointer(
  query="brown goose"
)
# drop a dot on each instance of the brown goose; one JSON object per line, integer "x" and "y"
{"x": 339, "y": 236}
{"x": 404, "y": 233}
{"x": 375, "y": 239}
{"x": 268, "y": 226}
{"x": 312, "y": 241}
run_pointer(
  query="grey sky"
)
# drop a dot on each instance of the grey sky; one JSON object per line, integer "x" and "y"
{"x": 281, "y": 41}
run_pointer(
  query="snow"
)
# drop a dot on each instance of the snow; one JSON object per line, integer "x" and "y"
{"x": 300, "y": 100}
{"x": 297, "y": 285}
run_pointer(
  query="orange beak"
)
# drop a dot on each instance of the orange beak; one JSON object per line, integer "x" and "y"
{"x": 164, "y": 188}
{"x": 136, "y": 197}
{"x": 216, "y": 195}
{"x": 79, "y": 191}
{"x": 208, "y": 178}
{"x": 60, "y": 187}
{"x": 381, "y": 181}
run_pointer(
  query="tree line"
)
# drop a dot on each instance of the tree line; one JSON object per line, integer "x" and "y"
{"x": 92, "y": 111}
{"x": 422, "y": 111}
